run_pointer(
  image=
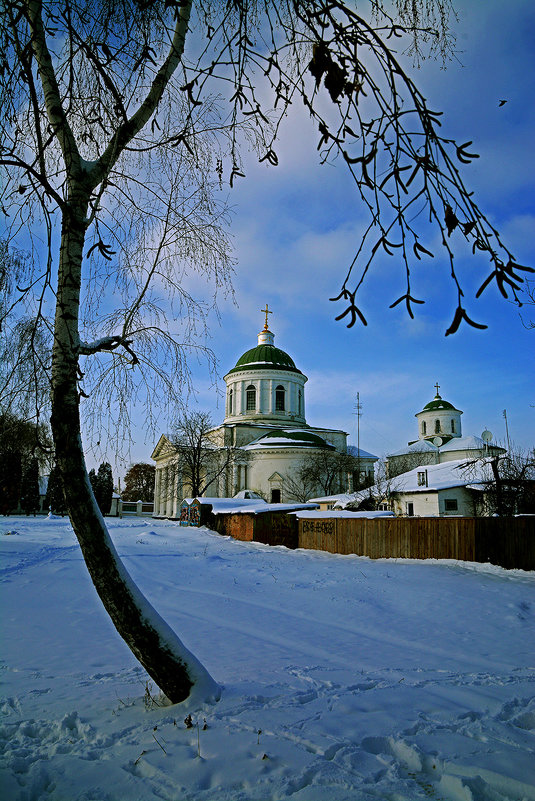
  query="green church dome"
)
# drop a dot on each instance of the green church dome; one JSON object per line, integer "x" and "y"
{"x": 265, "y": 357}
{"x": 289, "y": 438}
{"x": 436, "y": 404}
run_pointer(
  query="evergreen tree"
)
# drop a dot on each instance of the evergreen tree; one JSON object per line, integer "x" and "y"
{"x": 102, "y": 484}
{"x": 10, "y": 478}
{"x": 54, "y": 499}
{"x": 29, "y": 490}
{"x": 21, "y": 441}
{"x": 105, "y": 482}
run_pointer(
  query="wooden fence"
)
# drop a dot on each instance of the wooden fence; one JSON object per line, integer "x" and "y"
{"x": 271, "y": 528}
{"x": 505, "y": 541}
{"x": 509, "y": 542}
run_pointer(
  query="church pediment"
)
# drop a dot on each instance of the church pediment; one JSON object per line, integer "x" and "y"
{"x": 163, "y": 447}
{"x": 275, "y": 477}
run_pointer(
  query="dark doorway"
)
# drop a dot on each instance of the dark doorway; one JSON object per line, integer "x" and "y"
{"x": 275, "y": 496}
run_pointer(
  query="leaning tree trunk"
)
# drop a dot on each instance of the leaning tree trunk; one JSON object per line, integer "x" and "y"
{"x": 173, "y": 668}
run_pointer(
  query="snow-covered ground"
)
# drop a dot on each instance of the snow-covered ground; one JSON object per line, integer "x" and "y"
{"x": 343, "y": 678}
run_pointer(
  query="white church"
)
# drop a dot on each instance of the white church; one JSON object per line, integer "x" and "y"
{"x": 265, "y": 429}
{"x": 441, "y": 439}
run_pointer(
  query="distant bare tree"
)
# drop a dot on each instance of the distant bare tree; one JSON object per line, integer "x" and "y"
{"x": 320, "y": 472}
{"x": 511, "y": 488}
{"x": 299, "y": 486}
{"x": 198, "y": 461}
{"x": 402, "y": 463}
{"x": 378, "y": 494}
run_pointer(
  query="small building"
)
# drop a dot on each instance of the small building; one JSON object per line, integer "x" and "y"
{"x": 455, "y": 487}
{"x": 440, "y": 439}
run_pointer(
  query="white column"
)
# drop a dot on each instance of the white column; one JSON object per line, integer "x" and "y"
{"x": 176, "y": 499}
{"x": 260, "y": 391}
{"x": 169, "y": 492}
{"x": 157, "y": 482}
{"x": 163, "y": 492}
{"x": 233, "y": 488}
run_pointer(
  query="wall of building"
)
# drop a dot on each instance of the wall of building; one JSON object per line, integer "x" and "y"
{"x": 265, "y": 384}
{"x": 444, "y": 418}
{"x": 434, "y": 503}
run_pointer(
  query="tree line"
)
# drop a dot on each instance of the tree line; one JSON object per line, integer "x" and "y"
{"x": 28, "y": 471}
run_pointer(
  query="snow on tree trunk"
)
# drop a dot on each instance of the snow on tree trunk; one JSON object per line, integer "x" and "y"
{"x": 173, "y": 668}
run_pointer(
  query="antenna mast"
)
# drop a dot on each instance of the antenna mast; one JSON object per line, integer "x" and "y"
{"x": 506, "y": 430}
{"x": 358, "y": 412}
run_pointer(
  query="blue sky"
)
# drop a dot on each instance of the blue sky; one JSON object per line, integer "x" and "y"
{"x": 295, "y": 228}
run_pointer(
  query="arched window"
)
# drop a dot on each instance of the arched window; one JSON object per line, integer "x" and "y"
{"x": 231, "y": 401}
{"x": 453, "y": 426}
{"x": 250, "y": 394}
{"x": 300, "y": 403}
{"x": 424, "y": 427}
{"x": 437, "y": 426}
{"x": 279, "y": 398}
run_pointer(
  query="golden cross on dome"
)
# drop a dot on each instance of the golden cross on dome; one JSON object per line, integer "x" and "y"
{"x": 437, "y": 385}
{"x": 266, "y": 311}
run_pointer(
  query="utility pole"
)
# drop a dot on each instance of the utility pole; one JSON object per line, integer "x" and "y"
{"x": 358, "y": 412}
{"x": 506, "y": 430}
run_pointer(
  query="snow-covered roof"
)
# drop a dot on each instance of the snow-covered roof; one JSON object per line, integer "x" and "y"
{"x": 358, "y": 453}
{"x": 223, "y": 503}
{"x": 469, "y": 443}
{"x": 330, "y": 498}
{"x": 256, "y": 507}
{"x": 340, "y": 513}
{"x": 455, "y": 473}
{"x": 288, "y": 438}
{"x": 342, "y": 499}
{"x": 420, "y": 446}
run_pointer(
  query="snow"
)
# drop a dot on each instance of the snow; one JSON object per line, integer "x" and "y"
{"x": 315, "y": 515}
{"x": 455, "y": 473}
{"x": 258, "y": 507}
{"x": 420, "y": 446}
{"x": 288, "y": 438}
{"x": 359, "y": 453}
{"x": 228, "y": 504}
{"x": 468, "y": 443}
{"x": 343, "y": 678}
{"x": 248, "y": 495}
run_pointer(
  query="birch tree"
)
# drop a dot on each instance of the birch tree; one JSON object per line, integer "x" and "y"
{"x": 120, "y": 121}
